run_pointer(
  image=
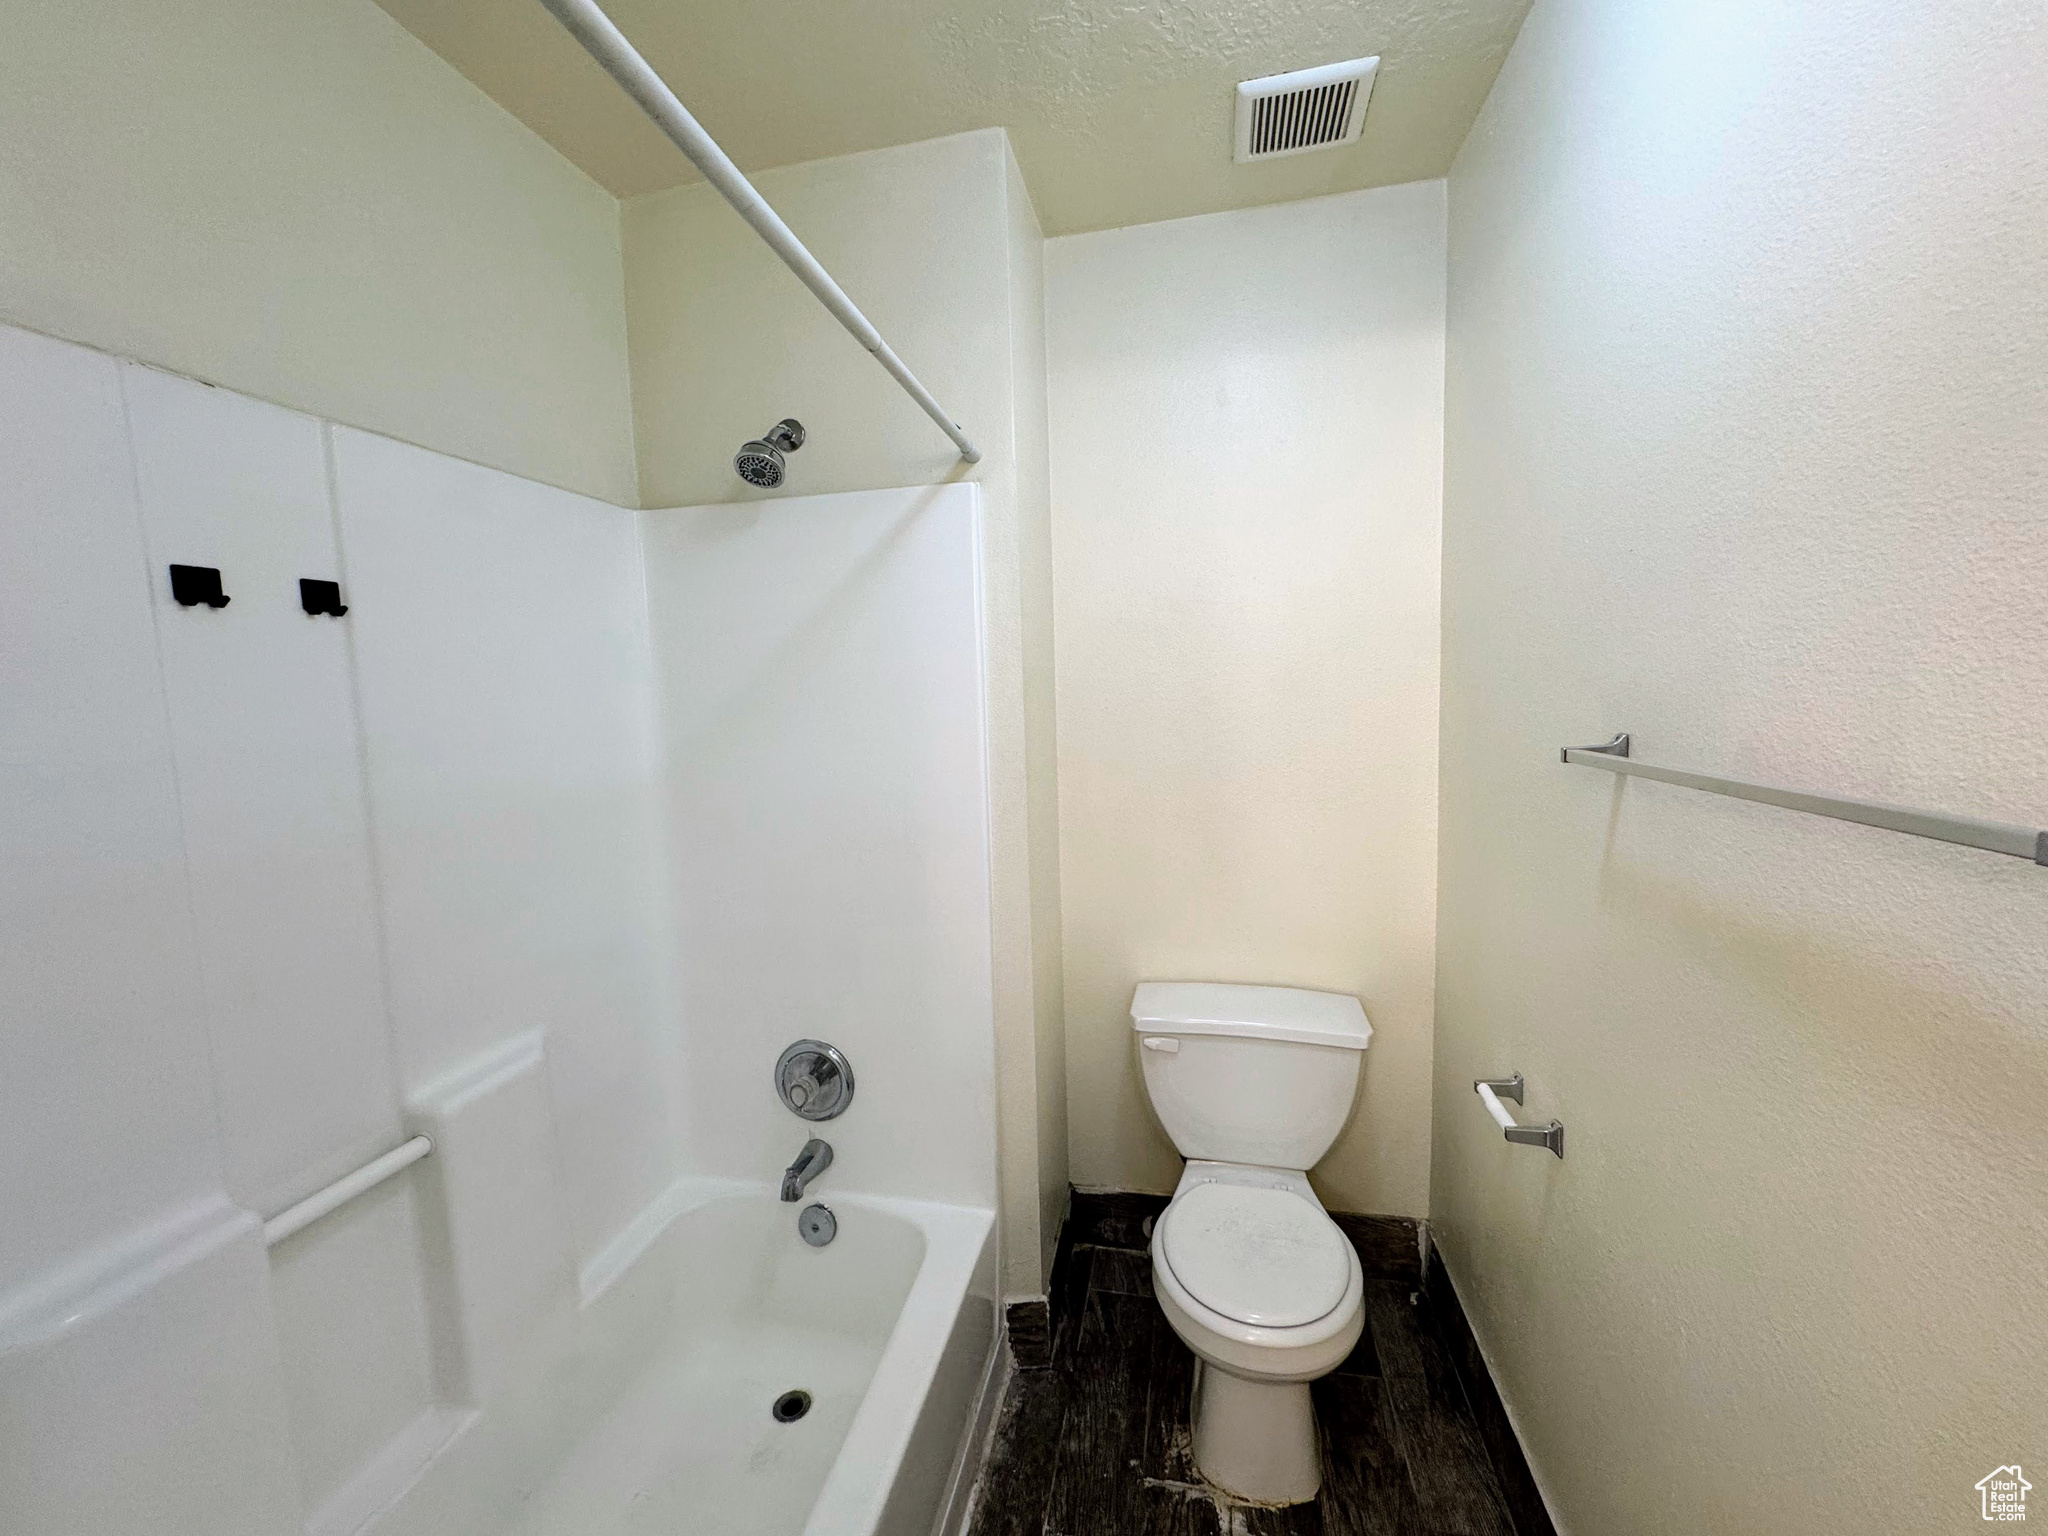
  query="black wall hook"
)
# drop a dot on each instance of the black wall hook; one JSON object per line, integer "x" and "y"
{"x": 318, "y": 597}
{"x": 193, "y": 585}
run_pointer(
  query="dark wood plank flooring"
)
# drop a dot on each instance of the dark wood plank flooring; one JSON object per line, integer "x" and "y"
{"x": 1098, "y": 1443}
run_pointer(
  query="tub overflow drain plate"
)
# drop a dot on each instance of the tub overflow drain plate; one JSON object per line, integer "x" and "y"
{"x": 791, "y": 1406}
{"x": 818, "y": 1225}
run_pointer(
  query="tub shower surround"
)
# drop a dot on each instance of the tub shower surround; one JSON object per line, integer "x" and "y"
{"x": 300, "y": 880}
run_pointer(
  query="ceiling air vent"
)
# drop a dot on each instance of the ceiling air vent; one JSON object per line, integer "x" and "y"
{"x": 1308, "y": 109}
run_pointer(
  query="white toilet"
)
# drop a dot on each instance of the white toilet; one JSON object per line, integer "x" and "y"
{"x": 1253, "y": 1084}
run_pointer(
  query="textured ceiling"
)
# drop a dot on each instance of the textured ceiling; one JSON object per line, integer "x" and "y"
{"x": 1120, "y": 112}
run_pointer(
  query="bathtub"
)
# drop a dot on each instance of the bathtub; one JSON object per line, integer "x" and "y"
{"x": 889, "y": 1329}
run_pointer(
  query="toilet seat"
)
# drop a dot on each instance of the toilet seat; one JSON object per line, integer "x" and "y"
{"x": 1256, "y": 1351}
{"x": 1259, "y": 1256}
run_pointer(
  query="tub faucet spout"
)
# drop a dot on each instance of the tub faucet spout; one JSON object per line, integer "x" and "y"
{"x": 815, "y": 1158}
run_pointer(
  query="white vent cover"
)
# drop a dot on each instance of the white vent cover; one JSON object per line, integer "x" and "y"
{"x": 1307, "y": 109}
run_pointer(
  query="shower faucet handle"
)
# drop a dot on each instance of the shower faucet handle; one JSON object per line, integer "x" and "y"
{"x": 814, "y": 1080}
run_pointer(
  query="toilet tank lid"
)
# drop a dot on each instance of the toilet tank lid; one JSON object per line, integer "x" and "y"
{"x": 1259, "y": 1013}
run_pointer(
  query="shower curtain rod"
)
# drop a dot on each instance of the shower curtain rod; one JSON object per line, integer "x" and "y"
{"x": 607, "y": 44}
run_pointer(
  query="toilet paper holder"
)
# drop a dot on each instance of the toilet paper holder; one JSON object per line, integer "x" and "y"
{"x": 1492, "y": 1090}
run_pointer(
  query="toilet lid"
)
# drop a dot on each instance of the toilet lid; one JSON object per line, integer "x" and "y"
{"x": 1261, "y": 1256}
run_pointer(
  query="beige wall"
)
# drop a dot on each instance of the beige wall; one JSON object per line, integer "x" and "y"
{"x": 303, "y": 203}
{"x": 1041, "y": 731}
{"x": 1748, "y": 455}
{"x": 938, "y": 246}
{"x": 1247, "y": 431}
{"x": 726, "y": 341}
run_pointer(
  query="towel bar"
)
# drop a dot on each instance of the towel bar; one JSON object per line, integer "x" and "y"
{"x": 1991, "y": 836}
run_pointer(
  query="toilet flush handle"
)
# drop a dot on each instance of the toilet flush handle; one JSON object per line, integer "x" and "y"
{"x": 1166, "y": 1043}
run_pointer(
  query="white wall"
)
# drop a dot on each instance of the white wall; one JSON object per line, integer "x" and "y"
{"x": 1246, "y": 430}
{"x": 827, "y": 808}
{"x": 304, "y": 203}
{"x": 1746, "y": 455}
{"x": 936, "y": 243}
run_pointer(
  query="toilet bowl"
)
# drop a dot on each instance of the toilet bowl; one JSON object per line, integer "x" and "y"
{"x": 1253, "y": 1084}
{"x": 1268, "y": 1293}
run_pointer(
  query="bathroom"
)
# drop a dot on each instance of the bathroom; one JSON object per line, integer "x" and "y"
{"x": 667, "y": 924}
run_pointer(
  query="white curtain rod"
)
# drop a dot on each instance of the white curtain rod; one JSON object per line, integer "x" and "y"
{"x": 607, "y": 44}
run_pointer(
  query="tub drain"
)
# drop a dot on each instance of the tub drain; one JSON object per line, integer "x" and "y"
{"x": 791, "y": 1406}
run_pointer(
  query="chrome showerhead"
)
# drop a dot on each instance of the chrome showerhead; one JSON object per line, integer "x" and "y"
{"x": 760, "y": 461}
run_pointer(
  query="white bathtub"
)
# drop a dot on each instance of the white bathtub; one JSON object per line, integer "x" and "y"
{"x": 889, "y": 1328}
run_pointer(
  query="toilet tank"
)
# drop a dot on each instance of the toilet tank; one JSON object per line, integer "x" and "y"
{"x": 1240, "y": 1074}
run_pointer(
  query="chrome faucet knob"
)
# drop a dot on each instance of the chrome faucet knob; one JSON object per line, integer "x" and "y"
{"x": 814, "y": 1079}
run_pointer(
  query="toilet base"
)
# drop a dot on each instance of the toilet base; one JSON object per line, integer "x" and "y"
{"x": 1256, "y": 1439}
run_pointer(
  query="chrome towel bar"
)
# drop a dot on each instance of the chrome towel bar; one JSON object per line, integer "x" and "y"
{"x": 1492, "y": 1090}
{"x": 1991, "y": 836}
{"x": 344, "y": 1189}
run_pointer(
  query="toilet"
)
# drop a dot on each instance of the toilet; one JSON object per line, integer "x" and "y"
{"x": 1253, "y": 1084}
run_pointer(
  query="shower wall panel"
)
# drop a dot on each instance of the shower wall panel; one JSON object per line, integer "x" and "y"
{"x": 501, "y": 651}
{"x": 198, "y": 1022}
{"x": 821, "y": 674}
{"x": 106, "y": 1113}
{"x": 264, "y": 732}
{"x": 264, "y": 736}
{"x": 139, "y": 1376}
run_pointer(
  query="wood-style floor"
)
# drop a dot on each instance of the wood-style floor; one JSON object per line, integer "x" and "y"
{"x": 1098, "y": 1443}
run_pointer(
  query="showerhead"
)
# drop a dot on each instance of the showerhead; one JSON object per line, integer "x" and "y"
{"x": 760, "y": 461}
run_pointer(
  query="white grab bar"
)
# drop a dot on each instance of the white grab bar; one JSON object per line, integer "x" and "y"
{"x": 604, "y": 42}
{"x": 298, "y": 1217}
{"x": 1492, "y": 1090}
